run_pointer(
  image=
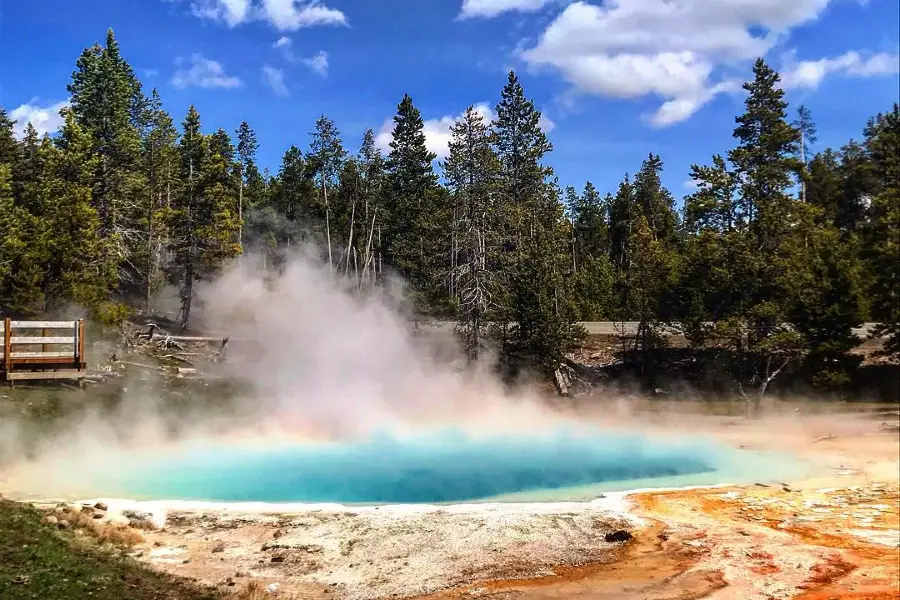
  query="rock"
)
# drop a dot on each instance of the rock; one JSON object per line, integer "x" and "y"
{"x": 63, "y": 524}
{"x": 220, "y": 547}
{"x": 51, "y": 520}
{"x": 158, "y": 544}
{"x": 277, "y": 534}
{"x": 242, "y": 574}
{"x": 272, "y": 588}
{"x": 101, "y": 506}
{"x": 134, "y": 515}
{"x": 618, "y": 536}
{"x": 277, "y": 559}
{"x": 98, "y": 515}
{"x": 185, "y": 561}
{"x": 663, "y": 536}
{"x": 229, "y": 581}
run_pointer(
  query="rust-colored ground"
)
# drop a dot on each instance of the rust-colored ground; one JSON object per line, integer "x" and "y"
{"x": 834, "y": 537}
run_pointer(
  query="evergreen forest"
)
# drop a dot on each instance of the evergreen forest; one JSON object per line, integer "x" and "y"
{"x": 776, "y": 256}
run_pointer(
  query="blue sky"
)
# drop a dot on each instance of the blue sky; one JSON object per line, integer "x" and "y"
{"x": 616, "y": 79}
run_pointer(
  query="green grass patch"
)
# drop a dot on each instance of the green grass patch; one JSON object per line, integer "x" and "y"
{"x": 40, "y": 562}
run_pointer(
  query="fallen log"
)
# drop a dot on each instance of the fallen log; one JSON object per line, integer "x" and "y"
{"x": 158, "y": 337}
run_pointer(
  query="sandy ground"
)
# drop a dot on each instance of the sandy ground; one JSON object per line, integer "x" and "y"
{"x": 833, "y": 536}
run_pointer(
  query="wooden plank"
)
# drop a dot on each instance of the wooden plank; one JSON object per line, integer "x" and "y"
{"x": 42, "y": 340}
{"x": 67, "y": 374}
{"x": 67, "y": 355}
{"x": 44, "y": 324}
{"x": 50, "y": 363}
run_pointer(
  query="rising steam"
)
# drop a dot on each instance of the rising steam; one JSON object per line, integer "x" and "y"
{"x": 320, "y": 359}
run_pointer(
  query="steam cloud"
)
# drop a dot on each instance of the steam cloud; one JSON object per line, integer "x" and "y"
{"x": 322, "y": 361}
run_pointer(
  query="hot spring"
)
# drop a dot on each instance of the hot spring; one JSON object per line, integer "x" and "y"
{"x": 441, "y": 467}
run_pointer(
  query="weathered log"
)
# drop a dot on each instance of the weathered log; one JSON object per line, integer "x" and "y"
{"x": 562, "y": 382}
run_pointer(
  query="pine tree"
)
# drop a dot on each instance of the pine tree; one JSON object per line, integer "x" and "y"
{"x": 655, "y": 202}
{"x": 160, "y": 166}
{"x": 415, "y": 244}
{"x": 649, "y": 278}
{"x": 538, "y": 292}
{"x": 81, "y": 265}
{"x": 248, "y": 173}
{"x": 826, "y": 287}
{"x": 753, "y": 303}
{"x": 824, "y": 185}
{"x": 217, "y": 219}
{"x": 592, "y": 271}
{"x": 807, "y": 129}
{"x": 107, "y": 102}
{"x": 9, "y": 148}
{"x": 29, "y": 171}
{"x": 883, "y": 237}
{"x": 521, "y": 146}
{"x": 712, "y": 206}
{"x": 184, "y": 219}
{"x": 765, "y": 159}
{"x": 292, "y": 196}
{"x": 471, "y": 171}
{"x": 327, "y": 155}
{"x": 622, "y": 215}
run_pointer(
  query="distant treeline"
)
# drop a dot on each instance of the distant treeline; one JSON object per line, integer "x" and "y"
{"x": 120, "y": 202}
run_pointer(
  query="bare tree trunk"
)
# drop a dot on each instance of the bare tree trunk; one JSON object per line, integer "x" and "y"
{"x": 327, "y": 224}
{"x": 241, "y": 216}
{"x": 149, "y": 244}
{"x": 803, "y": 162}
{"x": 753, "y": 404}
{"x": 350, "y": 237}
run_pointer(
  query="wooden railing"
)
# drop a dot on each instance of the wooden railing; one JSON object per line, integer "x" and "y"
{"x": 42, "y": 349}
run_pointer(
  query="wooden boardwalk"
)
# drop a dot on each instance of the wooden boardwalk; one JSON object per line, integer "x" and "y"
{"x": 41, "y": 350}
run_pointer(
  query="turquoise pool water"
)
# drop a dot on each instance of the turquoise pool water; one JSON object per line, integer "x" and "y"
{"x": 441, "y": 468}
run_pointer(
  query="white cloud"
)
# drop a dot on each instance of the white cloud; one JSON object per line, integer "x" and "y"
{"x": 809, "y": 74}
{"x": 546, "y": 124}
{"x": 290, "y": 15}
{"x": 284, "y": 15}
{"x": 231, "y": 12}
{"x": 149, "y": 73}
{"x": 202, "y": 72}
{"x": 45, "y": 119}
{"x": 318, "y": 63}
{"x": 437, "y": 131}
{"x": 274, "y": 78}
{"x": 675, "y": 51}
{"x": 492, "y": 8}
{"x": 283, "y": 42}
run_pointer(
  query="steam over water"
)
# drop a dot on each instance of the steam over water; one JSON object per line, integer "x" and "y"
{"x": 444, "y": 467}
{"x": 344, "y": 403}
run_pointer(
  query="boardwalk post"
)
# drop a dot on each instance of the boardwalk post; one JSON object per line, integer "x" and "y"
{"x": 79, "y": 349}
{"x": 7, "y": 358}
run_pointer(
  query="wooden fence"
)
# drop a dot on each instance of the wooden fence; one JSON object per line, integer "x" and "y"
{"x": 42, "y": 350}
